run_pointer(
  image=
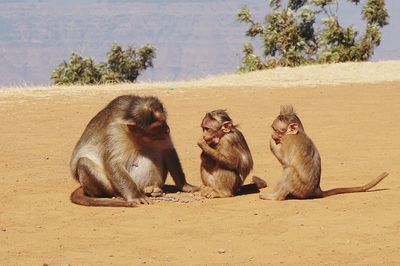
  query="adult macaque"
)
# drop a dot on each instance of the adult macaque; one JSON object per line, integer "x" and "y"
{"x": 300, "y": 161}
{"x": 125, "y": 154}
{"x": 225, "y": 159}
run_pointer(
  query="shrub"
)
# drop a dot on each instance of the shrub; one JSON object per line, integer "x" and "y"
{"x": 121, "y": 66}
{"x": 308, "y": 31}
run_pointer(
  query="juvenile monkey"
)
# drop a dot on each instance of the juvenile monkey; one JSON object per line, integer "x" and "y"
{"x": 301, "y": 162}
{"x": 126, "y": 152}
{"x": 225, "y": 159}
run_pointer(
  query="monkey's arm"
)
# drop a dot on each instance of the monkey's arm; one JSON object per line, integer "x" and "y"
{"x": 174, "y": 167}
{"x": 276, "y": 150}
{"x": 123, "y": 183}
{"x": 230, "y": 163}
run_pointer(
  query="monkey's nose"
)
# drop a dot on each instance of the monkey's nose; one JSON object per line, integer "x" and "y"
{"x": 274, "y": 137}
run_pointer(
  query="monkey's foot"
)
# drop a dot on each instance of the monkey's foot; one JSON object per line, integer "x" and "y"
{"x": 260, "y": 183}
{"x": 210, "y": 193}
{"x": 189, "y": 188}
{"x": 153, "y": 191}
{"x": 267, "y": 196}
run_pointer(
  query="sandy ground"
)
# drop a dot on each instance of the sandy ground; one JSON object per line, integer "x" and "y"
{"x": 354, "y": 125}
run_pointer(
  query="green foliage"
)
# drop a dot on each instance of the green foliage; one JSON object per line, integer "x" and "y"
{"x": 292, "y": 36}
{"x": 121, "y": 66}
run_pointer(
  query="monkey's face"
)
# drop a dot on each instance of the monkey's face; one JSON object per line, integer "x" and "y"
{"x": 157, "y": 131}
{"x": 213, "y": 131}
{"x": 281, "y": 128}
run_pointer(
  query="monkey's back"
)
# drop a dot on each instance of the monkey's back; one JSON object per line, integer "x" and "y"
{"x": 95, "y": 135}
{"x": 235, "y": 148}
{"x": 238, "y": 144}
{"x": 304, "y": 157}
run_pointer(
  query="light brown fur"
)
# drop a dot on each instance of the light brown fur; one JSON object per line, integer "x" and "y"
{"x": 225, "y": 159}
{"x": 300, "y": 161}
{"x": 125, "y": 152}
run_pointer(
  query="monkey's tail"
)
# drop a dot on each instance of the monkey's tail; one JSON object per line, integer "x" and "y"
{"x": 364, "y": 188}
{"x": 253, "y": 187}
{"x": 79, "y": 197}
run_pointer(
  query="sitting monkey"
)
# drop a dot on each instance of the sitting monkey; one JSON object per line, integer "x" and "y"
{"x": 300, "y": 161}
{"x": 125, "y": 154}
{"x": 225, "y": 159}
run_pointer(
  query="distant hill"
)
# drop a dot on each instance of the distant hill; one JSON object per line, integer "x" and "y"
{"x": 193, "y": 38}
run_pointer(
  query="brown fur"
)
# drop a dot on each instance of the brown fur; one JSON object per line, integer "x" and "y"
{"x": 301, "y": 162}
{"x": 225, "y": 159}
{"x": 125, "y": 152}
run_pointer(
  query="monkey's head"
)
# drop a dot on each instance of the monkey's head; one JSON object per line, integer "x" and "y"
{"x": 146, "y": 119}
{"x": 215, "y": 125}
{"x": 286, "y": 123}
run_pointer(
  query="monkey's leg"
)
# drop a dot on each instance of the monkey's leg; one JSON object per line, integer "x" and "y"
{"x": 279, "y": 194}
{"x": 174, "y": 167}
{"x": 284, "y": 186}
{"x": 226, "y": 185}
{"x": 259, "y": 182}
{"x": 93, "y": 179}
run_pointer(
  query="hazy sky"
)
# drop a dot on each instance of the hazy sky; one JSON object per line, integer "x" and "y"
{"x": 193, "y": 38}
{"x": 389, "y": 48}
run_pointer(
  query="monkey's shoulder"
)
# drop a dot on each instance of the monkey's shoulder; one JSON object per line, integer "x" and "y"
{"x": 235, "y": 138}
{"x": 296, "y": 139}
{"x": 230, "y": 147}
{"x": 300, "y": 144}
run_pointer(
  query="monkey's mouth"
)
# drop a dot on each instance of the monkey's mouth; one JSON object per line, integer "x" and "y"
{"x": 211, "y": 142}
{"x": 160, "y": 137}
{"x": 277, "y": 141}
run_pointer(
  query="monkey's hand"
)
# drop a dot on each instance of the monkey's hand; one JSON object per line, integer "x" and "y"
{"x": 189, "y": 188}
{"x": 202, "y": 143}
{"x": 276, "y": 150}
{"x": 274, "y": 144}
{"x": 141, "y": 199}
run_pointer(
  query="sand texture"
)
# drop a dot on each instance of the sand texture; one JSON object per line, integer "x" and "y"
{"x": 351, "y": 111}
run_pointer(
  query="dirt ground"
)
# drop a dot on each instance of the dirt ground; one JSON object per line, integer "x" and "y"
{"x": 354, "y": 127}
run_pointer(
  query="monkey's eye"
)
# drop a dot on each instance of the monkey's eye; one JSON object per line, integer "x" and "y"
{"x": 210, "y": 130}
{"x": 278, "y": 131}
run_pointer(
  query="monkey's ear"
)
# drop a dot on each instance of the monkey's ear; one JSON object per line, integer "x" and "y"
{"x": 227, "y": 126}
{"x": 129, "y": 122}
{"x": 293, "y": 128}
